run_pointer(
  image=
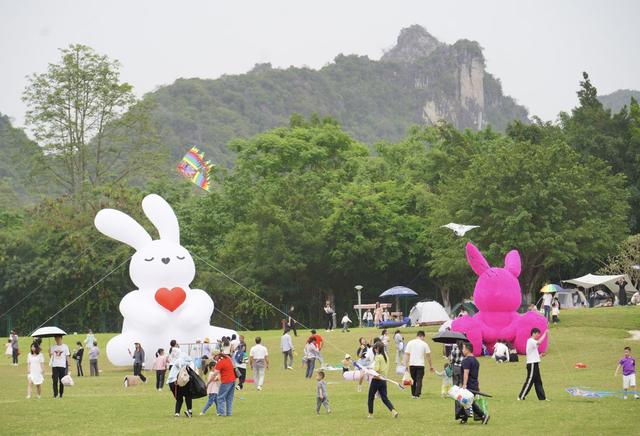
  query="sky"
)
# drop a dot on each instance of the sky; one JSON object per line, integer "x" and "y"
{"x": 537, "y": 49}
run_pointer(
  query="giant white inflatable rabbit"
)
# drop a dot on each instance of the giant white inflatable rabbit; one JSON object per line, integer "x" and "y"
{"x": 163, "y": 307}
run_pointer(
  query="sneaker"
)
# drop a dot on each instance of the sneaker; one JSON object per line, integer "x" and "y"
{"x": 395, "y": 413}
{"x": 187, "y": 413}
{"x": 28, "y": 397}
{"x": 259, "y": 388}
{"x": 201, "y": 413}
{"x": 519, "y": 399}
{"x": 485, "y": 420}
{"x": 369, "y": 416}
{"x": 289, "y": 367}
{"x": 177, "y": 415}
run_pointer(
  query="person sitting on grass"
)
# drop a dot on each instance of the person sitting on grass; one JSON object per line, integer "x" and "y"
{"x": 500, "y": 351}
{"x": 321, "y": 393}
{"x": 628, "y": 365}
{"x": 347, "y": 363}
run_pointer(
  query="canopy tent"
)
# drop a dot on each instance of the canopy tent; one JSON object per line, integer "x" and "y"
{"x": 591, "y": 280}
{"x": 428, "y": 313}
{"x": 571, "y": 299}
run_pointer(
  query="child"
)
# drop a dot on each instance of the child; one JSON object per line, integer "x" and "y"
{"x": 447, "y": 379}
{"x": 213, "y": 385}
{"x": 160, "y": 365}
{"x": 628, "y": 365}
{"x": 8, "y": 351}
{"x": 346, "y": 363}
{"x": 35, "y": 370}
{"x": 555, "y": 311}
{"x": 321, "y": 393}
{"x": 345, "y": 323}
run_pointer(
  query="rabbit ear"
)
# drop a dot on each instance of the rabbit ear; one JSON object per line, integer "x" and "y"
{"x": 162, "y": 216}
{"x": 477, "y": 261}
{"x": 121, "y": 227}
{"x": 512, "y": 263}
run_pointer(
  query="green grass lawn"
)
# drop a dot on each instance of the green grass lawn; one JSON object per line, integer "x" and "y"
{"x": 287, "y": 403}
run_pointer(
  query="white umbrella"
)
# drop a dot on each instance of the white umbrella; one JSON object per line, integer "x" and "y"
{"x": 48, "y": 332}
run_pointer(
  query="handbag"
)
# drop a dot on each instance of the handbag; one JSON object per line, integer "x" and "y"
{"x": 183, "y": 377}
{"x": 196, "y": 386}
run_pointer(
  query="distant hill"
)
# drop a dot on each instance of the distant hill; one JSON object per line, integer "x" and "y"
{"x": 617, "y": 99}
{"x": 419, "y": 81}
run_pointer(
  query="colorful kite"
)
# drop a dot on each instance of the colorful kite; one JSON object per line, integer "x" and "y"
{"x": 582, "y": 392}
{"x": 194, "y": 167}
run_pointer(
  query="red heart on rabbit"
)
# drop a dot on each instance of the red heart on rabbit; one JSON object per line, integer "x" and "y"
{"x": 170, "y": 299}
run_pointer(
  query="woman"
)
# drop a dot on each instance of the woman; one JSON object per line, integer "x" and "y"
{"x": 77, "y": 356}
{"x": 384, "y": 337}
{"x": 378, "y": 383}
{"x": 291, "y": 322}
{"x": 180, "y": 393}
{"x": 138, "y": 360}
{"x": 311, "y": 353}
{"x": 35, "y": 370}
{"x": 328, "y": 310}
{"x": 227, "y": 374}
{"x": 377, "y": 315}
{"x": 174, "y": 352}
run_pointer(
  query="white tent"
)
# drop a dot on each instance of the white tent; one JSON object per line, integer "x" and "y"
{"x": 591, "y": 280}
{"x": 571, "y": 299}
{"x": 428, "y": 313}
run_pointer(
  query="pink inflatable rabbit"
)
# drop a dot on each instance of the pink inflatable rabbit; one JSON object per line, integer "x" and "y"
{"x": 497, "y": 295}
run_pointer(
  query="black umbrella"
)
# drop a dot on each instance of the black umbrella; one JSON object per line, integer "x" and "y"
{"x": 449, "y": 337}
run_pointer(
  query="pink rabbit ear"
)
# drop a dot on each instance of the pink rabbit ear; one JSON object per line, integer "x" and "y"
{"x": 512, "y": 263}
{"x": 477, "y": 261}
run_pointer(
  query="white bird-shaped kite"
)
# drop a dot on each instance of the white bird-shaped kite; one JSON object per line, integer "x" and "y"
{"x": 459, "y": 229}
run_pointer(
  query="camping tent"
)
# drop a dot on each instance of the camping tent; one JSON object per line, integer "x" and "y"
{"x": 571, "y": 299}
{"x": 591, "y": 280}
{"x": 428, "y": 313}
{"x": 466, "y": 305}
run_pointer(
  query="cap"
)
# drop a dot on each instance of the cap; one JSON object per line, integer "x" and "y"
{"x": 347, "y": 356}
{"x": 206, "y": 340}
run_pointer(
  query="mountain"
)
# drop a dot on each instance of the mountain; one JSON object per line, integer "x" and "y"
{"x": 419, "y": 81}
{"x": 617, "y": 99}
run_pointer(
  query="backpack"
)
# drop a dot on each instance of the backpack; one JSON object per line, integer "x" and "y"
{"x": 183, "y": 377}
{"x": 238, "y": 356}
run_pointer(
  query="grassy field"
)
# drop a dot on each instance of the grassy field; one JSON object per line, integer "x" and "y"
{"x": 287, "y": 403}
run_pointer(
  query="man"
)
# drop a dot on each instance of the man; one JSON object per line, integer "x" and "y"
{"x": 470, "y": 373}
{"x": 533, "y": 369}
{"x": 59, "y": 364}
{"x": 291, "y": 321}
{"x": 547, "y": 299}
{"x": 286, "y": 345}
{"x": 622, "y": 294}
{"x": 415, "y": 353}
{"x": 15, "y": 351}
{"x": 89, "y": 340}
{"x": 259, "y": 362}
{"x": 318, "y": 345}
{"x": 241, "y": 363}
{"x": 329, "y": 314}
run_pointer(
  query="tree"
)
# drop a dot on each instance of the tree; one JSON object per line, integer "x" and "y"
{"x": 70, "y": 108}
{"x": 625, "y": 260}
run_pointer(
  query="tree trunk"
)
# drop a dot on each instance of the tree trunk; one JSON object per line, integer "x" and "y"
{"x": 445, "y": 294}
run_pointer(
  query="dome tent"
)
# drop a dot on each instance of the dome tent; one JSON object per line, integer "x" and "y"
{"x": 428, "y": 313}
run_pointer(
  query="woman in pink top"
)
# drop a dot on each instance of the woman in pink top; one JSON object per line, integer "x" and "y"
{"x": 213, "y": 385}
{"x": 160, "y": 365}
{"x": 377, "y": 315}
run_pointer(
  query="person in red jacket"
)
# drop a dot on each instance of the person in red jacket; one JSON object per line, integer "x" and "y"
{"x": 318, "y": 344}
{"x": 224, "y": 402}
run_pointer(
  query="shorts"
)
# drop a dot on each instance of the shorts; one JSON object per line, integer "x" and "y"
{"x": 628, "y": 381}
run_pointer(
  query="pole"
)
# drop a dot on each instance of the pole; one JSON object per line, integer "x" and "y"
{"x": 359, "y": 308}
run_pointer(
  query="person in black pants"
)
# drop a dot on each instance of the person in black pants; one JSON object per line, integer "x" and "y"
{"x": 328, "y": 310}
{"x": 416, "y": 354}
{"x": 470, "y": 373}
{"x": 59, "y": 365}
{"x": 533, "y": 368}
{"x": 378, "y": 383}
{"x": 77, "y": 356}
{"x": 138, "y": 360}
{"x": 291, "y": 322}
{"x": 456, "y": 363}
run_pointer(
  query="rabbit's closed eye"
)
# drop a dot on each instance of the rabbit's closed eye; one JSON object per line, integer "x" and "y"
{"x": 181, "y": 258}
{"x": 149, "y": 260}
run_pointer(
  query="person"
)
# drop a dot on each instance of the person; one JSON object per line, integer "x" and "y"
{"x": 377, "y": 315}
{"x": 291, "y": 322}
{"x": 259, "y": 362}
{"x": 206, "y": 348}
{"x": 59, "y": 365}
{"x": 386, "y": 316}
{"x": 455, "y": 358}
{"x": 533, "y": 368}
{"x": 319, "y": 344}
{"x": 226, "y": 346}
{"x": 8, "y": 350}
{"x": 213, "y": 385}
{"x": 180, "y": 393}
{"x": 384, "y": 338}
{"x": 555, "y": 310}
{"x": 363, "y": 346}
{"x": 513, "y": 353}
{"x": 547, "y": 298}
{"x": 447, "y": 379}
{"x": 328, "y": 311}
{"x": 321, "y": 393}
{"x": 462, "y": 313}
{"x": 628, "y": 366}
{"x": 94, "y": 352}
{"x": 622, "y": 293}
{"x": 77, "y": 356}
{"x": 89, "y": 340}
{"x": 470, "y": 373}
{"x": 286, "y": 345}
{"x": 414, "y": 358}
{"x": 234, "y": 343}
{"x": 240, "y": 357}
{"x": 500, "y": 351}
{"x": 160, "y": 366}
{"x": 347, "y": 363}
{"x": 399, "y": 341}
{"x": 174, "y": 352}
{"x": 197, "y": 355}
{"x": 345, "y": 322}
{"x": 368, "y": 318}
{"x": 227, "y": 375}
{"x": 311, "y": 353}
{"x": 635, "y": 299}
{"x": 35, "y": 370}
{"x": 379, "y": 383}
{"x": 15, "y": 351}
{"x": 138, "y": 361}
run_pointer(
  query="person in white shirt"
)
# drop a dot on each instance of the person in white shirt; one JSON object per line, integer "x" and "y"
{"x": 286, "y": 345}
{"x": 59, "y": 365}
{"x": 415, "y": 353}
{"x": 345, "y": 323}
{"x": 35, "y": 370}
{"x": 368, "y": 318}
{"x": 328, "y": 310}
{"x": 533, "y": 370}
{"x": 259, "y": 362}
{"x": 547, "y": 298}
{"x": 399, "y": 340}
{"x": 500, "y": 351}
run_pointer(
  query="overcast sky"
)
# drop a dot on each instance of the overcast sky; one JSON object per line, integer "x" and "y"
{"x": 536, "y": 48}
